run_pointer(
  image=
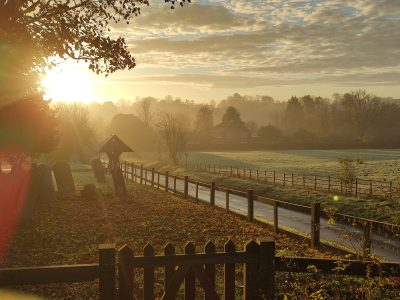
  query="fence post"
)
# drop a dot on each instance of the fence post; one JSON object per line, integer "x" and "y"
{"x": 329, "y": 184}
{"x": 266, "y": 280}
{"x": 257, "y": 174}
{"x": 304, "y": 181}
{"x": 174, "y": 184}
{"x": 212, "y": 194}
{"x": 166, "y": 181}
{"x": 250, "y": 290}
{"x": 231, "y": 171}
{"x": 197, "y": 191}
{"x": 274, "y": 177}
{"x": 141, "y": 174}
{"x": 227, "y": 200}
{"x": 356, "y": 186}
{"x": 125, "y": 170}
{"x": 152, "y": 177}
{"x": 292, "y": 180}
{"x": 315, "y": 224}
{"x": 186, "y": 187}
{"x": 132, "y": 177}
{"x": 276, "y": 225}
{"x": 107, "y": 271}
{"x": 284, "y": 179}
{"x": 250, "y": 205}
{"x": 315, "y": 182}
{"x": 367, "y": 238}
{"x": 125, "y": 273}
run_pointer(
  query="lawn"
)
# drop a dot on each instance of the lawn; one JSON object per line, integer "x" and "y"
{"x": 377, "y": 163}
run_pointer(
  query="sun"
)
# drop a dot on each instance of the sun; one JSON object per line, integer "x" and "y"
{"x": 68, "y": 82}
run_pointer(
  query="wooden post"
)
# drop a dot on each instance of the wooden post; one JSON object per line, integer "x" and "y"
{"x": 315, "y": 224}
{"x": 158, "y": 179}
{"x": 274, "y": 177}
{"x": 145, "y": 176}
{"x": 266, "y": 280}
{"x": 166, "y": 181}
{"x": 152, "y": 177}
{"x": 197, "y": 192}
{"x": 214, "y": 169}
{"x": 250, "y": 272}
{"x": 292, "y": 180}
{"x": 250, "y": 173}
{"x": 189, "y": 283}
{"x": 219, "y": 168}
{"x": 257, "y": 174}
{"x": 315, "y": 182}
{"x": 284, "y": 179}
{"x": 132, "y": 170}
{"x": 329, "y": 184}
{"x": 304, "y": 181}
{"x": 148, "y": 275}
{"x": 231, "y": 172}
{"x": 125, "y": 273}
{"x": 212, "y": 194}
{"x": 227, "y": 200}
{"x": 229, "y": 273}
{"x": 356, "y": 187}
{"x": 276, "y": 225}
{"x": 209, "y": 268}
{"x": 169, "y": 250}
{"x": 186, "y": 187}
{"x": 174, "y": 184}
{"x": 125, "y": 170}
{"x": 367, "y": 238}
{"x": 141, "y": 174}
{"x": 265, "y": 176}
{"x": 107, "y": 271}
{"x": 250, "y": 205}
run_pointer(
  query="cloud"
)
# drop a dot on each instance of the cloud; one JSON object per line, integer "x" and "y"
{"x": 240, "y": 43}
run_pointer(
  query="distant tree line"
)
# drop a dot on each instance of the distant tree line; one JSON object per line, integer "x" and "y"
{"x": 352, "y": 120}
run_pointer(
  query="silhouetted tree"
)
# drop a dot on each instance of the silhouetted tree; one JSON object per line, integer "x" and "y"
{"x": 133, "y": 131}
{"x": 270, "y": 133}
{"x": 144, "y": 109}
{"x": 232, "y": 116}
{"x": 173, "y": 130}
{"x": 204, "y": 122}
{"x": 29, "y": 125}
{"x": 252, "y": 126}
{"x": 33, "y": 31}
{"x": 77, "y": 135}
{"x": 293, "y": 114}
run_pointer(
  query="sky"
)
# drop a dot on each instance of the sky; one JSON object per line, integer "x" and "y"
{"x": 211, "y": 49}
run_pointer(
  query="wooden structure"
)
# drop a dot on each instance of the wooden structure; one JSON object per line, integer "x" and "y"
{"x": 114, "y": 147}
{"x": 259, "y": 268}
{"x": 137, "y": 173}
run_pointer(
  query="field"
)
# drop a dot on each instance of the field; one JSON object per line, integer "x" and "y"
{"x": 68, "y": 231}
{"x": 377, "y": 164}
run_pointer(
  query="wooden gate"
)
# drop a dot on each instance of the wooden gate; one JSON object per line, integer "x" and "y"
{"x": 258, "y": 271}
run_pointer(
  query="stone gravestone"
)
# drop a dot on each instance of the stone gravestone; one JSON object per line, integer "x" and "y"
{"x": 44, "y": 183}
{"x": 64, "y": 179}
{"x": 89, "y": 192}
{"x": 99, "y": 170}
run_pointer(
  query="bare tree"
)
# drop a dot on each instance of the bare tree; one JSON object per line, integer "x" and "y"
{"x": 173, "y": 133}
{"x": 144, "y": 109}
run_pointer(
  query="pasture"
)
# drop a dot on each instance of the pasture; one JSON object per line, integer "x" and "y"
{"x": 377, "y": 164}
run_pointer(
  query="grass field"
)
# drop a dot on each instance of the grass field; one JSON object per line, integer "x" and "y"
{"x": 308, "y": 161}
{"x": 68, "y": 231}
{"x": 377, "y": 164}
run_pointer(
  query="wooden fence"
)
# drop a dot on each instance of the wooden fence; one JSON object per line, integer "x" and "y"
{"x": 330, "y": 184}
{"x": 139, "y": 174}
{"x": 124, "y": 276}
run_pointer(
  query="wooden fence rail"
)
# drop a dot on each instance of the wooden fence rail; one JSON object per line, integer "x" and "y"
{"x": 315, "y": 211}
{"x": 260, "y": 265}
{"x": 327, "y": 183}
